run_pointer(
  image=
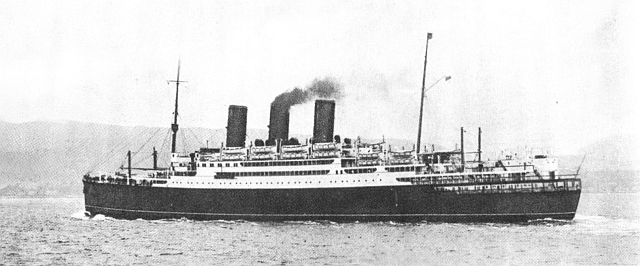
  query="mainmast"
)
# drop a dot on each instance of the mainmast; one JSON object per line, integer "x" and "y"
{"x": 424, "y": 73}
{"x": 174, "y": 126}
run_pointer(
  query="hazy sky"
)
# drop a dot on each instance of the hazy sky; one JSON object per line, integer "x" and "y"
{"x": 558, "y": 74}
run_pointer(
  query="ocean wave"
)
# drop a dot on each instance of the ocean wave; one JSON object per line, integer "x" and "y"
{"x": 590, "y": 218}
{"x": 81, "y": 214}
{"x": 84, "y": 215}
{"x": 303, "y": 222}
{"x": 99, "y": 217}
{"x": 549, "y": 222}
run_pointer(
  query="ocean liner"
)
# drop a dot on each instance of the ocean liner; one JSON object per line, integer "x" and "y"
{"x": 335, "y": 179}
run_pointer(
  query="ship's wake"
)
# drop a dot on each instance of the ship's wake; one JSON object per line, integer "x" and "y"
{"x": 549, "y": 222}
{"x": 608, "y": 224}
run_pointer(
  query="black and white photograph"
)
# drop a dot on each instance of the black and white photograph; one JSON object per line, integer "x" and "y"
{"x": 319, "y": 132}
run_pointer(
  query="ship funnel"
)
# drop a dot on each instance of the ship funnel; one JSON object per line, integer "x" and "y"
{"x": 279, "y": 122}
{"x": 236, "y": 126}
{"x": 323, "y": 121}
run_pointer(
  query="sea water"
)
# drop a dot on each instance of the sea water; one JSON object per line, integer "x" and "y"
{"x": 606, "y": 230}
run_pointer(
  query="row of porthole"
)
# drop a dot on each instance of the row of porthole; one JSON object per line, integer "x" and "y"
{"x": 342, "y": 181}
{"x": 246, "y": 183}
{"x": 271, "y": 183}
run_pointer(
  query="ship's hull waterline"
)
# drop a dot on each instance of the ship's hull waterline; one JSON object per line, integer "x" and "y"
{"x": 385, "y": 203}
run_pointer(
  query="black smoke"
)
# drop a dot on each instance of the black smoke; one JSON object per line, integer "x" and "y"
{"x": 326, "y": 88}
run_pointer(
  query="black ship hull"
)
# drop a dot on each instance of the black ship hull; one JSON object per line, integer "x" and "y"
{"x": 385, "y": 203}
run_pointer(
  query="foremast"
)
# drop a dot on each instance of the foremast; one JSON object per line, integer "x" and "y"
{"x": 174, "y": 126}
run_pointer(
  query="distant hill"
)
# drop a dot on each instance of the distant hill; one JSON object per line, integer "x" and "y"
{"x": 614, "y": 153}
{"x": 49, "y": 158}
{"x": 610, "y": 165}
{"x": 52, "y": 156}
